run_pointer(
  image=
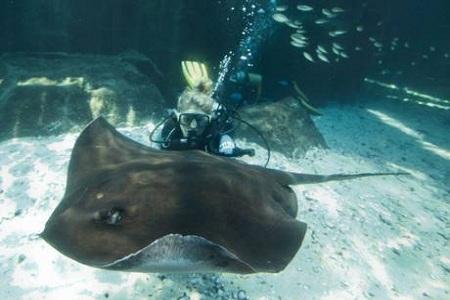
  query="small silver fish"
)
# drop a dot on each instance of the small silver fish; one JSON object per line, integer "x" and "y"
{"x": 292, "y": 24}
{"x": 321, "y": 21}
{"x": 337, "y": 46}
{"x": 337, "y": 10}
{"x": 280, "y": 18}
{"x": 308, "y": 56}
{"x": 360, "y": 28}
{"x": 281, "y": 8}
{"x": 328, "y": 13}
{"x": 321, "y": 49}
{"x": 378, "y": 44}
{"x": 337, "y": 33}
{"x": 298, "y": 44}
{"x": 305, "y": 8}
{"x": 322, "y": 57}
{"x": 298, "y": 37}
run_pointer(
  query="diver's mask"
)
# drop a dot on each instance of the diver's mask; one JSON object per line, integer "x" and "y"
{"x": 193, "y": 125}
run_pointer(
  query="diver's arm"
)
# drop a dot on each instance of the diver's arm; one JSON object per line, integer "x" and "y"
{"x": 238, "y": 152}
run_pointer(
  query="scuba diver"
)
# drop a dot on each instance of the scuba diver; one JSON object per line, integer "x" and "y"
{"x": 199, "y": 122}
{"x": 245, "y": 87}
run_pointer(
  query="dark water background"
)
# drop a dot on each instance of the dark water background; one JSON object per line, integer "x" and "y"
{"x": 62, "y": 64}
{"x": 168, "y": 31}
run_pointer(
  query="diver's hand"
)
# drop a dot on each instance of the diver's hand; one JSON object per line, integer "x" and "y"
{"x": 239, "y": 152}
{"x": 249, "y": 152}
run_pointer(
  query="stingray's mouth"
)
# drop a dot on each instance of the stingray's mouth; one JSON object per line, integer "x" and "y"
{"x": 181, "y": 253}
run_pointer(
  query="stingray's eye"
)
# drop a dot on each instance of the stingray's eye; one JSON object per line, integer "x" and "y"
{"x": 110, "y": 217}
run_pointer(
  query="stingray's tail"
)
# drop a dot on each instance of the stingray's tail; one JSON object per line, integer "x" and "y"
{"x": 298, "y": 178}
{"x": 290, "y": 178}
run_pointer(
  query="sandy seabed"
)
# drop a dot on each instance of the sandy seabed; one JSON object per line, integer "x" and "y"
{"x": 371, "y": 238}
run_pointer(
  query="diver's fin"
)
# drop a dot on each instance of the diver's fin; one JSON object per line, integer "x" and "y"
{"x": 186, "y": 73}
{"x": 304, "y": 100}
{"x": 194, "y": 72}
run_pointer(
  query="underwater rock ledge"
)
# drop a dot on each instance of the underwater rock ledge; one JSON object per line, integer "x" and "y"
{"x": 285, "y": 124}
{"x": 52, "y": 93}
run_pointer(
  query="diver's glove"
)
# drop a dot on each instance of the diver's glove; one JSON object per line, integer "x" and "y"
{"x": 238, "y": 152}
{"x": 249, "y": 152}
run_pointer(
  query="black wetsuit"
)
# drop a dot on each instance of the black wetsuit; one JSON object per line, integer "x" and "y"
{"x": 210, "y": 141}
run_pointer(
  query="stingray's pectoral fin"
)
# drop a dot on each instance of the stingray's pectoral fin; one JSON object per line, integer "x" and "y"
{"x": 298, "y": 178}
{"x": 181, "y": 253}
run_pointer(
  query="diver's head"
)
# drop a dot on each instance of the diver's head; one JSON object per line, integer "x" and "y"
{"x": 195, "y": 110}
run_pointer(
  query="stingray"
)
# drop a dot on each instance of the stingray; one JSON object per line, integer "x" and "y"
{"x": 133, "y": 208}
